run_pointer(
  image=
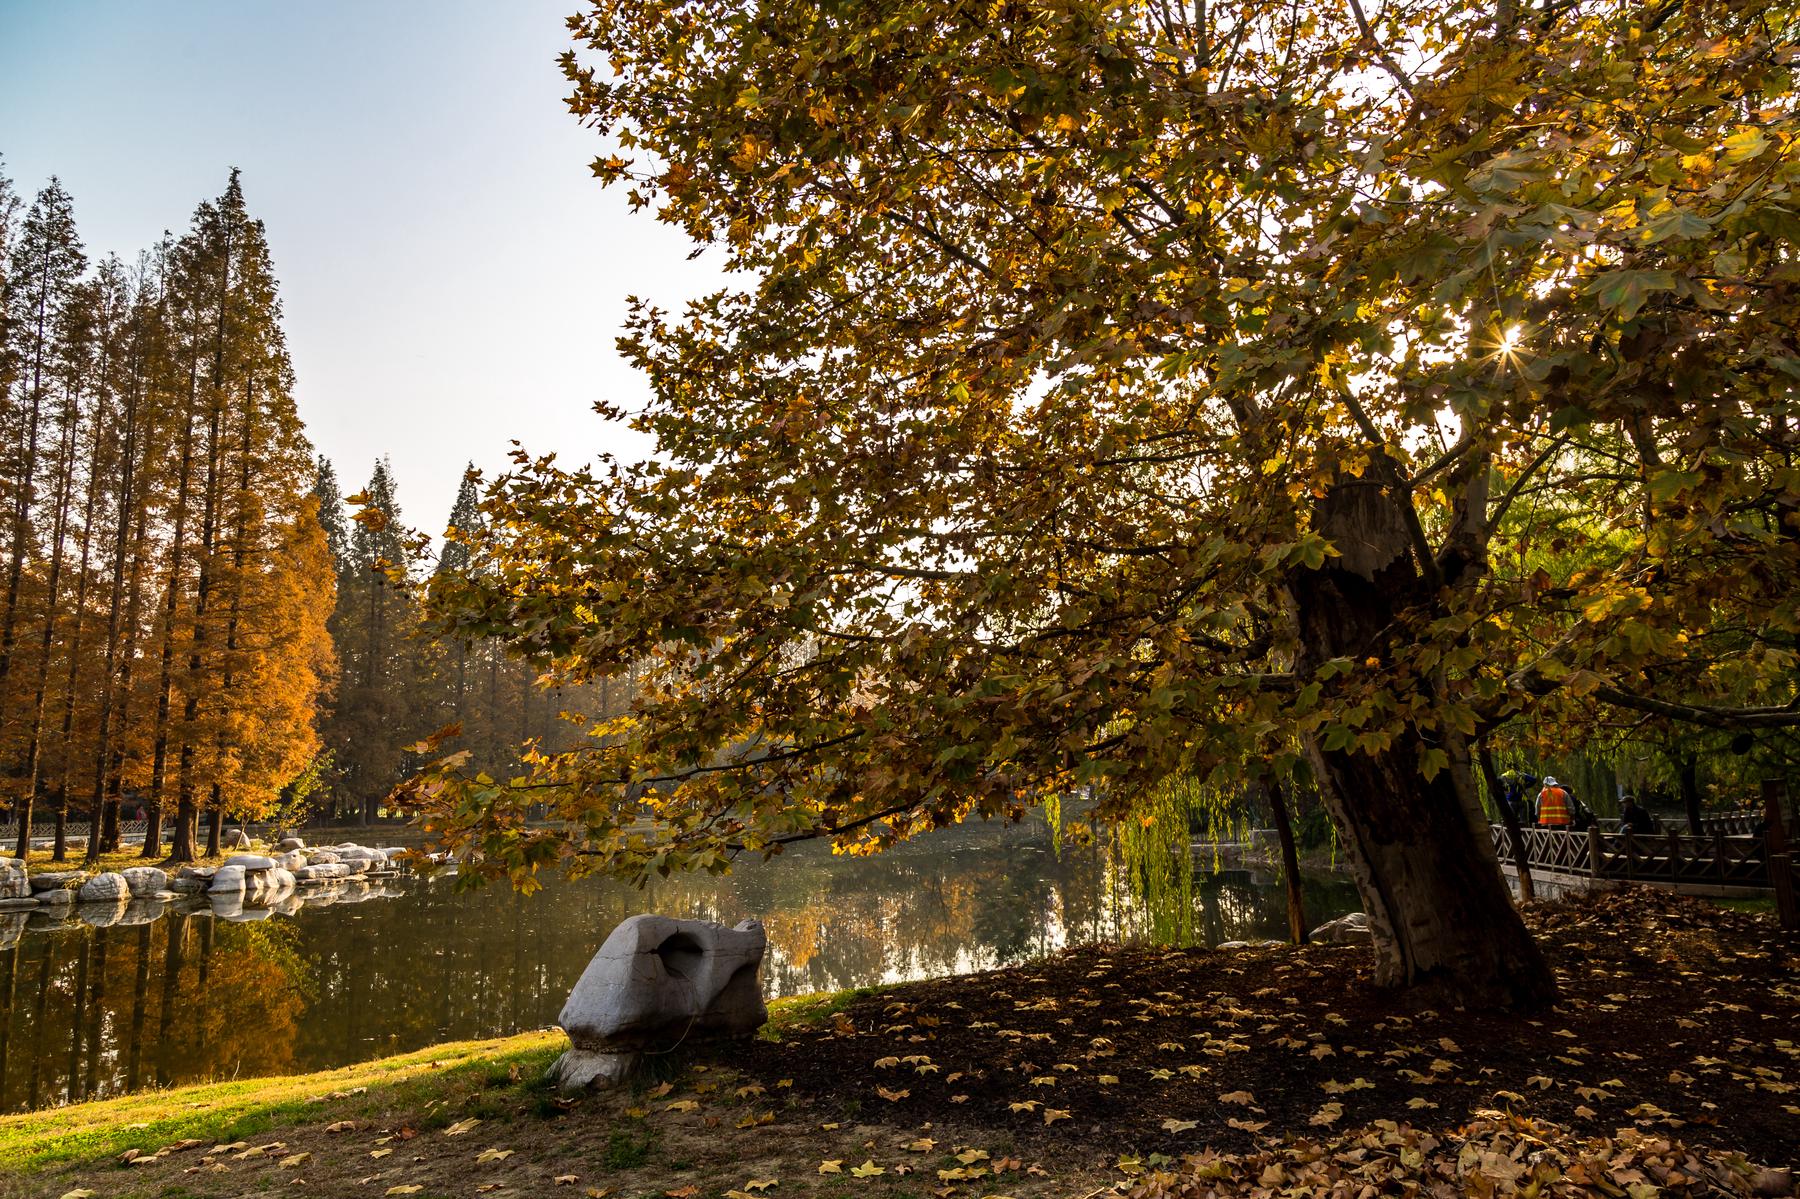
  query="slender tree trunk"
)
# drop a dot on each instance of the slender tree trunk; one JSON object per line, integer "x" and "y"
{"x": 27, "y": 494}
{"x": 240, "y": 531}
{"x": 1439, "y": 909}
{"x": 1690, "y": 795}
{"x": 65, "y": 469}
{"x": 66, "y": 761}
{"x": 123, "y": 546}
{"x": 1290, "y": 864}
{"x": 1510, "y": 818}
{"x": 186, "y": 806}
{"x": 159, "y": 748}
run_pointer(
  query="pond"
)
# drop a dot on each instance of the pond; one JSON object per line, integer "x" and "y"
{"x": 87, "y": 1011}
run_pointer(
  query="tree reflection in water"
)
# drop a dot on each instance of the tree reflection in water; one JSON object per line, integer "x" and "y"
{"x": 91, "y": 1011}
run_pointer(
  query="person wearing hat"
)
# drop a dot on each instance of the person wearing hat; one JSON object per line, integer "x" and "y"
{"x": 1553, "y": 809}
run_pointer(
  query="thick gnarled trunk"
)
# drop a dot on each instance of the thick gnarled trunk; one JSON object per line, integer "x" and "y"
{"x": 1438, "y": 906}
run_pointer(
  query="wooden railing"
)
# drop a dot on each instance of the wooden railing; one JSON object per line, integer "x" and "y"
{"x": 1716, "y": 862}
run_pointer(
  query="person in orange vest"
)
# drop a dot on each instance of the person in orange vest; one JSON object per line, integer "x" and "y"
{"x": 1553, "y": 806}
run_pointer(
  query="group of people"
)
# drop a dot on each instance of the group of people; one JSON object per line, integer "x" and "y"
{"x": 1553, "y": 805}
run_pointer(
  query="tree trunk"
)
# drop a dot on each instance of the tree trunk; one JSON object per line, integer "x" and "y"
{"x": 1290, "y": 864}
{"x": 1510, "y": 818}
{"x": 1439, "y": 909}
{"x": 1690, "y": 795}
{"x": 34, "y": 743}
{"x": 159, "y": 750}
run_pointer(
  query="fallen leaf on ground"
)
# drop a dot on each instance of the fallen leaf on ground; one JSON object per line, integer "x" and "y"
{"x": 868, "y": 1170}
{"x": 460, "y": 1127}
{"x": 493, "y": 1155}
{"x": 1174, "y": 1125}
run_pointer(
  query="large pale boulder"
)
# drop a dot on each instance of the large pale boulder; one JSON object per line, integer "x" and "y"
{"x": 235, "y": 838}
{"x": 59, "y": 880}
{"x": 60, "y": 898}
{"x": 14, "y": 884}
{"x": 1345, "y": 930}
{"x": 250, "y": 861}
{"x": 18, "y": 903}
{"x": 145, "y": 880}
{"x": 293, "y": 859}
{"x": 655, "y": 983}
{"x": 322, "y": 857}
{"x": 226, "y": 880}
{"x": 321, "y": 872}
{"x": 110, "y": 887}
{"x": 288, "y": 844}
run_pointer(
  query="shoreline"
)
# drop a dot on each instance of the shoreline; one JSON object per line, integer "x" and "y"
{"x": 1098, "y": 1066}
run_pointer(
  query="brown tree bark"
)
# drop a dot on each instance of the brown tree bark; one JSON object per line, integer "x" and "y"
{"x": 34, "y": 742}
{"x": 1439, "y": 909}
{"x": 1690, "y": 796}
{"x": 1290, "y": 864}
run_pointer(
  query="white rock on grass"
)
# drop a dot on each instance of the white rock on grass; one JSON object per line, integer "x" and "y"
{"x": 14, "y": 884}
{"x": 59, "y": 880}
{"x": 145, "y": 880}
{"x": 290, "y": 843}
{"x": 250, "y": 861}
{"x": 293, "y": 859}
{"x": 110, "y": 887}
{"x": 322, "y": 857}
{"x": 658, "y": 982}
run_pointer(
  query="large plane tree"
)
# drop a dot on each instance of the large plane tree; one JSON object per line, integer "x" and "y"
{"x": 1113, "y": 391}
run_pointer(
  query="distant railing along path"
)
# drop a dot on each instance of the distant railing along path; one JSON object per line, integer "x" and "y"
{"x": 1718, "y": 864}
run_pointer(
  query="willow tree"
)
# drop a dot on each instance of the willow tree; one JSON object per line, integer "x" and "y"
{"x": 1107, "y": 391}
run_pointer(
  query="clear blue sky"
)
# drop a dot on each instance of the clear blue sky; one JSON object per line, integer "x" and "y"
{"x": 453, "y": 278}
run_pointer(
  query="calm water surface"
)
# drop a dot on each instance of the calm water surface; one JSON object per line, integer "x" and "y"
{"x": 186, "y": 994}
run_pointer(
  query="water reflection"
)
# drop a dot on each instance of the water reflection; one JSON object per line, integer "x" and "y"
{"x": 100, "y": 1003}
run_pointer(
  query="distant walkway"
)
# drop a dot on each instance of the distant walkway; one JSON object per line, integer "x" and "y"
{"x": 1735, "y": 859}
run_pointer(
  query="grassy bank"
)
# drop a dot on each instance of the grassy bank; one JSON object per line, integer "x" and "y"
{"x": 229, "y": 1111}
{"x": 431, "y": 1079}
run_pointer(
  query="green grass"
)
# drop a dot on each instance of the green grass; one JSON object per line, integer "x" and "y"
{"x": 229, "y": 1111}
{"x": 803, "y": 1011}
{"x": 437, "y": 1085}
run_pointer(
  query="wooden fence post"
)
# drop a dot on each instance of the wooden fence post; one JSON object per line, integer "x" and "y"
{"x": 1781, "y": 875}
{"x": 1594, "y": 853}
{"x": 1674, "y": 856}
{"x": 1719, "y": 854}
{"x": 1773, "y": 817}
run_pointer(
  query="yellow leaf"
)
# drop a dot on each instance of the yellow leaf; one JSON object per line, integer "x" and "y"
{"x": 832, "y": 1167}
{"x": 1244, "y": 1098}
{"x": 1174, "y": 1125}
{"x": 868, "y": 1170}
{"x": 566, "y": 1180}
{"x": 462, "y": 1126}
{"x": 681, "y": 1105}
{"x": 892, "y": 1096}
{"x": 969, "y": 1157}
{"x": 493, "y": 1155}
{"x": 761, "y": 1184}
{"x": 297, "y": 1159}
{"x": 1108, "y": 1080}
{"x": 1052, "y": 1115}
